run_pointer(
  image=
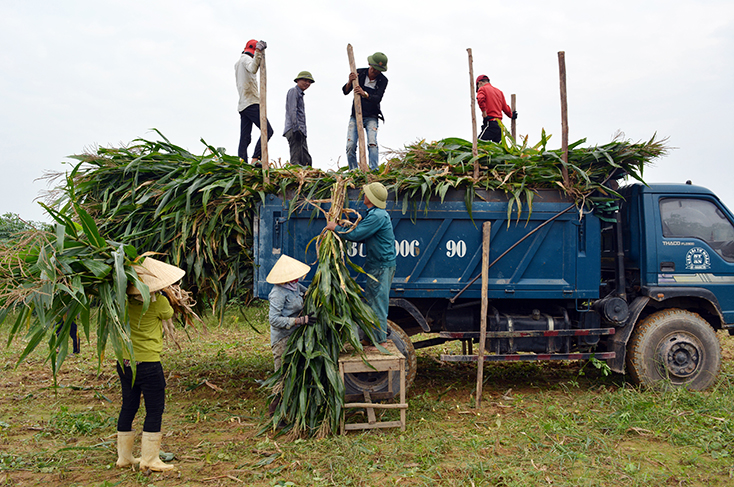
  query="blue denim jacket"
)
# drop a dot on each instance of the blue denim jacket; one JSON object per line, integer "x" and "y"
{"x": 285, "y": 306}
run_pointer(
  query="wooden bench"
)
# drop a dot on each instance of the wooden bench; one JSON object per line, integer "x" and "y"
{"x": 351, "y": 362}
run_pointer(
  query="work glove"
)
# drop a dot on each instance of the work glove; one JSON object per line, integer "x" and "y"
{"x": 514, "y": 115}
{"x": 261, "y": 45}
{"x": 301, "y": 320}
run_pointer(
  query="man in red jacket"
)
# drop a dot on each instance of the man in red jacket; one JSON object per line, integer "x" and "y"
{"x": 492, "y": 103}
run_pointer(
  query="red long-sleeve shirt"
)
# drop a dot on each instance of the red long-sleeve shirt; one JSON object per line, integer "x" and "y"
{"x": 492, "y": 102}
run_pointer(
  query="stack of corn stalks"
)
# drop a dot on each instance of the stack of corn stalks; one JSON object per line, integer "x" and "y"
{"x": 198, "y": 211}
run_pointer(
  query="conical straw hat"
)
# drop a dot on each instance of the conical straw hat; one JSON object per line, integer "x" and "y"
{"x": 156, "y": 274}
{"x": 286, "y": 270}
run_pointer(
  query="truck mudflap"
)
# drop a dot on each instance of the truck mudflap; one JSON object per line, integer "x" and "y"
{"x": 618, "y": 342}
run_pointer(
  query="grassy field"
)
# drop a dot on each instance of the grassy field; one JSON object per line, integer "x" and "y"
{"x": 561, "y": 424}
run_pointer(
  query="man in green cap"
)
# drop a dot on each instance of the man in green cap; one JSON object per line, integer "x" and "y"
{"x": 295, "y": 120}
{"x": 375, "y": 230}
{"x": 372, "y": 84}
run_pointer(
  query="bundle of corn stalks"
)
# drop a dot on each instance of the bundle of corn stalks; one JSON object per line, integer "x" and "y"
{"x": 308, "y": 383}
{"x": 198, "y": 210}
{"x": 51, "y": 279}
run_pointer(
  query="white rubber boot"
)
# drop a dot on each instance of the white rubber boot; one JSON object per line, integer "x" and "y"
{"x": 125, "y": 440}
{"x": 149, "y": 452}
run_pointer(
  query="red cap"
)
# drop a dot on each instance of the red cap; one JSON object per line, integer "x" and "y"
{"x": 250, "y": 47}
{"x": 482, "y": 77}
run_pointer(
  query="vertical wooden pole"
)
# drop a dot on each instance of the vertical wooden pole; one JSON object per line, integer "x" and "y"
{"x": 486, "y": 230}
{"x": 564, "y": 115}
{"x": 473, "y": 113}
{"x": 358, "y": 113}
{"x": 513, "y": 123}
{"x": 264, "y": 119}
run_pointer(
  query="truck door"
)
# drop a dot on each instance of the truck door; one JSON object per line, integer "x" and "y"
{"x": 696, "y": 248}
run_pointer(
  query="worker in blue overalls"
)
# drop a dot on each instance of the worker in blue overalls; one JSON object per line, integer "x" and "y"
{"x": 375, "y": 231}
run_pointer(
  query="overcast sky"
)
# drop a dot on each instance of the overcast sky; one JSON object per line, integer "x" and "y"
{"x": 77, "y": 74}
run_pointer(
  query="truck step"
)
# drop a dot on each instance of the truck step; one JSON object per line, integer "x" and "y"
{"x": 528, "y": 357}
{"x": 526, "y": 333}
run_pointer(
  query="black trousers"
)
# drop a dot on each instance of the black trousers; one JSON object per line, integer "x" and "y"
{"x": 151, "y": 384}
{"x": 248, "y": 117}
{"x": 299, "y": 148}
{"x": 73, "y": 333}
{"x": 490, "y": 130}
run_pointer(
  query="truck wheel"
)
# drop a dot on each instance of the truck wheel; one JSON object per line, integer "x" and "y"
{"x": 378, "y": 381}
{"x": 677, "y": 346}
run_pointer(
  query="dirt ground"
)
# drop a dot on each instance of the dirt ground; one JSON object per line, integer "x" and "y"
{"x": 215, "y": 409}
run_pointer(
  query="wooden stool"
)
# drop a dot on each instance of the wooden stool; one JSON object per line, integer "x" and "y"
{"x": 351, "y": 363}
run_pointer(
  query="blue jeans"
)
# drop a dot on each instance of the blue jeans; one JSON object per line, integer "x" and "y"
{"x": 377, "y": 295}
{"x": 370, "y": 129}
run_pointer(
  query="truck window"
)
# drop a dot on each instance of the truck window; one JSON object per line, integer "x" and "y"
{"x": 696, "y": 218}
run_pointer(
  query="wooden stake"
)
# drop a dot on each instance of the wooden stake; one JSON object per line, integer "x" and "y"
{"x": 358, "y": 113}
{"x": 473, "y": 113}
{"x": 513, "y": 122}
{"x": 564, "y": 115}
{"x": 264, "y": 119}
{"x": 486, "y": 230}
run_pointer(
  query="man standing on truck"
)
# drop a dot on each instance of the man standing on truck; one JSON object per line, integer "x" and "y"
{"x": 371, "y": 88}
{"x": 375, "y": 230}
{"x": 492, "y": 103}
{"x": 295, "y": 120}
{"x": 249, "y": 103}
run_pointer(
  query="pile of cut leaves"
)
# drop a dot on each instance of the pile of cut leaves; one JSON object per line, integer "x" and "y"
{"x": 198, "y": 210}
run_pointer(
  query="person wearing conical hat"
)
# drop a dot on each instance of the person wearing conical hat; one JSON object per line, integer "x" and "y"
{"x": 146, "y": 334}
{"x": 371, "y": 85}
{"x": 295, "y": 120}
{"x": 376, "y": 232}
{"x": 286, "y": 303}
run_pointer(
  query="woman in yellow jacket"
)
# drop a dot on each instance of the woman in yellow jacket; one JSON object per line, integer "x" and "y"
{"x": 146, "y": 333}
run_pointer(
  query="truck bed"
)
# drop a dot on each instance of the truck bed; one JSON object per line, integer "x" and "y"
{"x": 438, "y": 246}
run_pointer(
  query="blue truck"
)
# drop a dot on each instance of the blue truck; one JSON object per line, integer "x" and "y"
{"x": 645, "y": 287}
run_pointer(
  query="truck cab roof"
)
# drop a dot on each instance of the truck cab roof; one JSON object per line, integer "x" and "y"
{"x": 660, "y": 188}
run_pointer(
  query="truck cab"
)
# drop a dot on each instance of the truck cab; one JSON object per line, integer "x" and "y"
{"x": 681, "y": 237}
{"x": 678, "y": 242}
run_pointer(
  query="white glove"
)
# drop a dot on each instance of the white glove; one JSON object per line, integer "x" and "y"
{"x": 261, "y": 45}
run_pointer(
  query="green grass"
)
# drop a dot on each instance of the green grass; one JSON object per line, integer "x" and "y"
{"x": 558, "y": 424}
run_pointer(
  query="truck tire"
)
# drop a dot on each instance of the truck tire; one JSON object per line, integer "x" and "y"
{"x": 675, "y": 347}
{"x": 378, "y": 381}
